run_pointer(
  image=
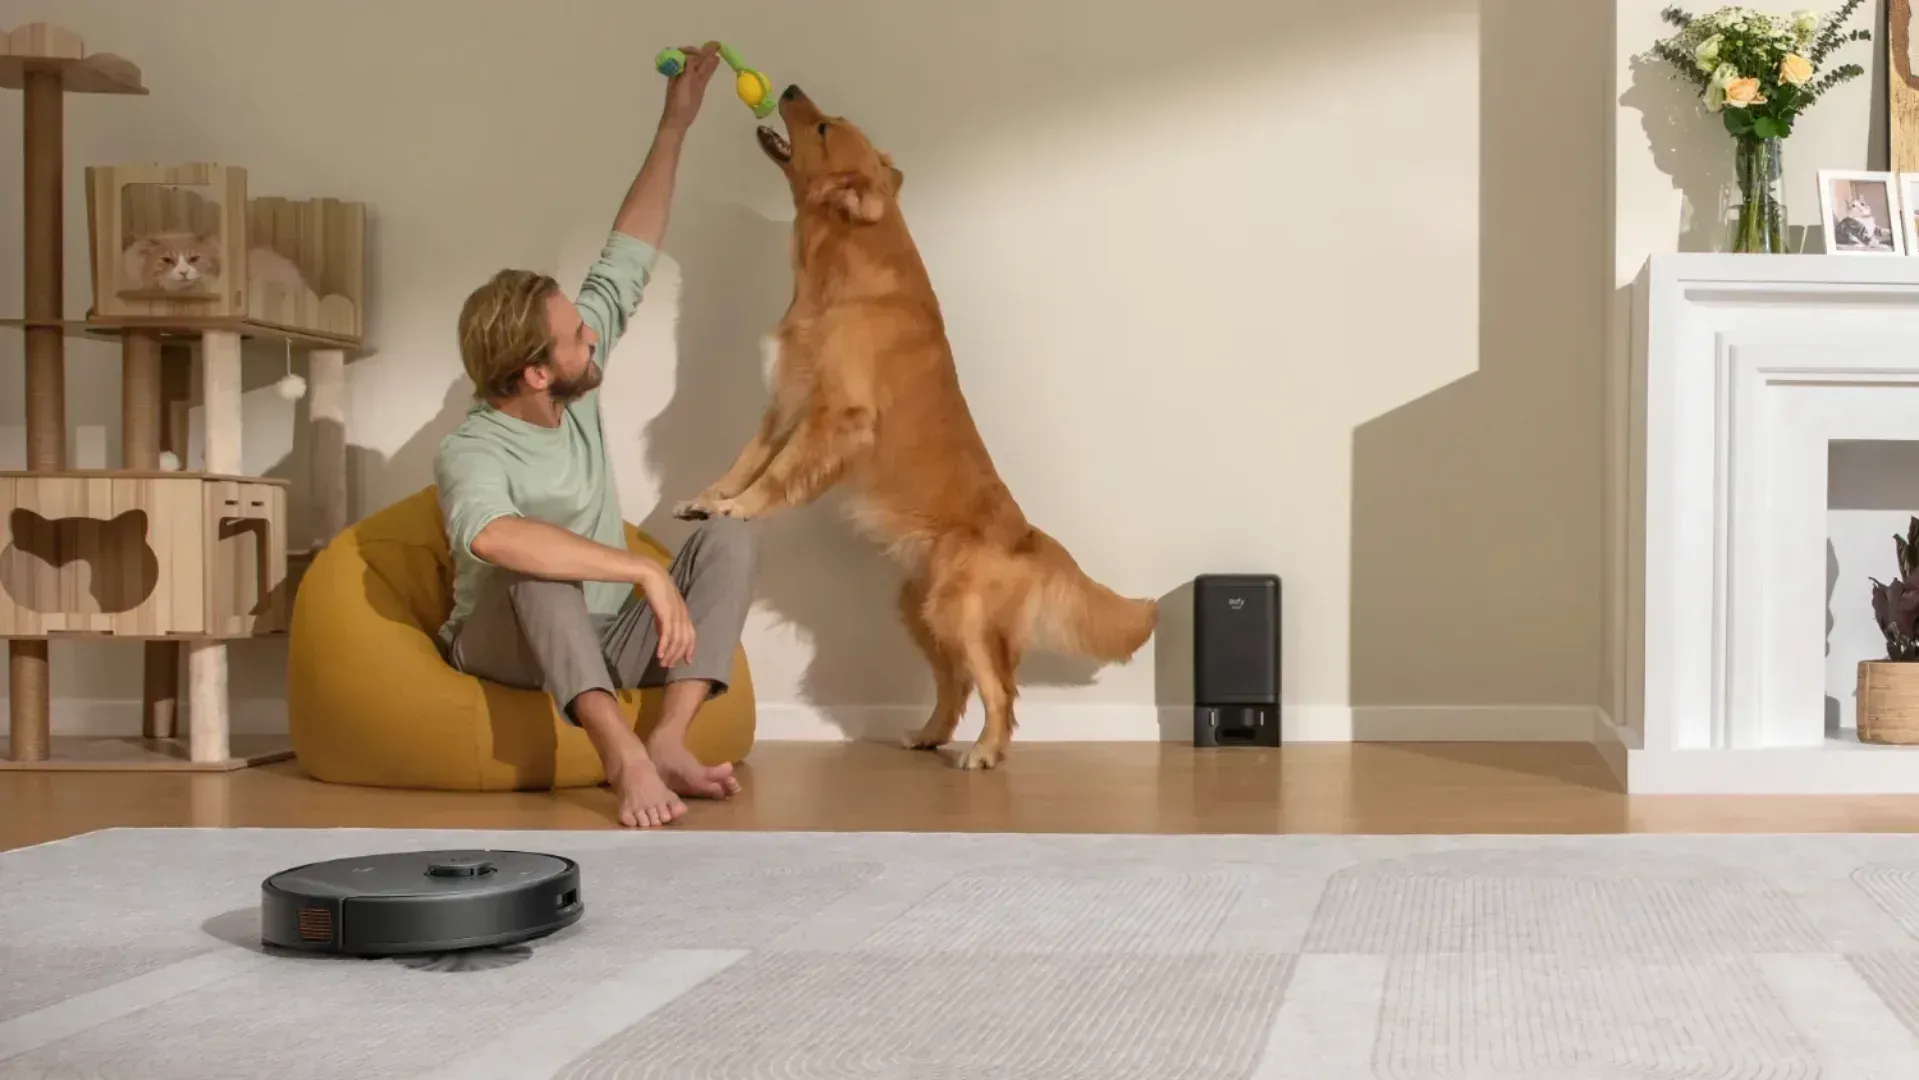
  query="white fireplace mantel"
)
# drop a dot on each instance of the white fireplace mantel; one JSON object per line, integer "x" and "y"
{"x": 1743, "y": 369}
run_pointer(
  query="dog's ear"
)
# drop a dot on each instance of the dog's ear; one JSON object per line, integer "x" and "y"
{"x": 895, "y": 179}
{"x": 851, "y": 195}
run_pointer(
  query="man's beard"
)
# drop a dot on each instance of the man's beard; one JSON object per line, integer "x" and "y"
{"x": 567, "y": 391}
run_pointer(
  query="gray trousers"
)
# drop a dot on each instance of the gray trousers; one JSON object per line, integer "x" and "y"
{"x": 537, "y": 634}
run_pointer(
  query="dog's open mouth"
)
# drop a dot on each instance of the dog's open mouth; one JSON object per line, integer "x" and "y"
{"x": 775, "y": 145}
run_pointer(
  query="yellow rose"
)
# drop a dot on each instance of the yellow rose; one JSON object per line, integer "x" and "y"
{"x": 1795, "y": 69}
{"x": 1743, "y": 92}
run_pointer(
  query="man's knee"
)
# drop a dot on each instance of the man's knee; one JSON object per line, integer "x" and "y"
{"x": 729, "y": 548}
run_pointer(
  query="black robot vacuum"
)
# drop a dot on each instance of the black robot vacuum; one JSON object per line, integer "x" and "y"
{"x": 419, "y": 902}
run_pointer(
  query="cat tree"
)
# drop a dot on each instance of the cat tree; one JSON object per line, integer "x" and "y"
{"x": 174, "y": 558}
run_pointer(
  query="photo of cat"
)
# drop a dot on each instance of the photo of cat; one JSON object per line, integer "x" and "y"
{"x": 190, "y": 262}
{"x": 1862, "y": 213}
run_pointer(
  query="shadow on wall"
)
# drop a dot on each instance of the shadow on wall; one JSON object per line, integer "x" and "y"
{"x": 1833, "y": 721}
{"x": 1684, "y": 147}
{"x": 1476, "y": 510}
{"x": 832, "y": 587}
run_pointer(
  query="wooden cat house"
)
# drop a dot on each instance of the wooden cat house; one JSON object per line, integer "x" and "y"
{"x": 186, "y": 246}
{"x": 175, "y": 552}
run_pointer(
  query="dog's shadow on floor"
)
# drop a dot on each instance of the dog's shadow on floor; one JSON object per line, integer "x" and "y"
{"x": 825, "y": 585}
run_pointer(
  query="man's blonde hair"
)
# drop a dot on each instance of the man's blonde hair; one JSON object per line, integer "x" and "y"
{"x": 503, "y": 330}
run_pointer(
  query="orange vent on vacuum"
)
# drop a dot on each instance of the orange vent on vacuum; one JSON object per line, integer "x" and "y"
{"x": 316, "y": 924}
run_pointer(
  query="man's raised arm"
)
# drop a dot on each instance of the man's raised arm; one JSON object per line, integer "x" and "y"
{"x": 618, "y": 278}
{"x": 643, "y": 212}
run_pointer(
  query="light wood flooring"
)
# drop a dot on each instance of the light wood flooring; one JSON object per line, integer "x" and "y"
{"x": 1057, "y": 787}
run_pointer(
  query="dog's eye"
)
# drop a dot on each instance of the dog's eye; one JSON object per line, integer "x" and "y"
{"x": 823, "y": 128}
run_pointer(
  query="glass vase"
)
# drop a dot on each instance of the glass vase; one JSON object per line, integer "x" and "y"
{"x": 1759, "y": 225}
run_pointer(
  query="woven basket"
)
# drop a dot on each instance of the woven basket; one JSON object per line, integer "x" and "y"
{"x": 1889, "y": 702}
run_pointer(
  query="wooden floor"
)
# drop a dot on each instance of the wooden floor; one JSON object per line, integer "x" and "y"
{"x": 1059, "y": 787}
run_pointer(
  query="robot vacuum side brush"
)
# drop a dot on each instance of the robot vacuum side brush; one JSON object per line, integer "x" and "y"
{"x": 419, "y": 902}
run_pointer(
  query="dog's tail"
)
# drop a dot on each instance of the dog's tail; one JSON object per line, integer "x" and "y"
{"x": 1074, "y": 614}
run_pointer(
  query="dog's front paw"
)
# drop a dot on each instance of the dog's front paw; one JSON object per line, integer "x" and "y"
{"x": 706, "y": 507}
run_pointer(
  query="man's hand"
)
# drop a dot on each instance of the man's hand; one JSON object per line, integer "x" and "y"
{"x": 669, "y": 614}
{"x": 685, "y": 91}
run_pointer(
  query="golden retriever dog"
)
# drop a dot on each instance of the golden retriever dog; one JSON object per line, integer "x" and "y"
{"x": 865, "y": 392}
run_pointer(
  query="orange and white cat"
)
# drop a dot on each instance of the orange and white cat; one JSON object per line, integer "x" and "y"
{"x": 182, "y": 261}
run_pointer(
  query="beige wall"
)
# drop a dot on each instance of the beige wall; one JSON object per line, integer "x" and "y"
{"x": 1304, "y": 287}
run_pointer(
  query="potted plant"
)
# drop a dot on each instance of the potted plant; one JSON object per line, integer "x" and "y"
{"x": 1889, "y": 688}
{"x": 1759, "y": 73}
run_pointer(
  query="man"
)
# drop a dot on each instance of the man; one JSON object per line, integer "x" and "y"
{"x": 544, "y": 593}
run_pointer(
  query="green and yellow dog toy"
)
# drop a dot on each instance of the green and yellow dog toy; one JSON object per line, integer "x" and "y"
{"x": 752, "y": 86}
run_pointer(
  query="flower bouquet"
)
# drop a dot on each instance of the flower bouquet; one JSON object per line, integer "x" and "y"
{"x": 1759, "y": 72}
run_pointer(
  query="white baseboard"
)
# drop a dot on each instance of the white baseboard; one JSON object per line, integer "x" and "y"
{"x": 1038, "y": 722}
{"x": 1123, "y": 722}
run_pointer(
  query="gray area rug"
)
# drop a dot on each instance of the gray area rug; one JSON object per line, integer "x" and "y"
{"x": 707, "y": 956}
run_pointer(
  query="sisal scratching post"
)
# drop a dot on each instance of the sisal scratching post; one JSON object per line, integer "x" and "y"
{"x": 142, "y": 421}
{"x": 326, "y": 389}
{"x": 43, "y": 150}
{"x": 140, "y": 401}
{"x": 207, "y": 660}
{"x": 160, "y": 717}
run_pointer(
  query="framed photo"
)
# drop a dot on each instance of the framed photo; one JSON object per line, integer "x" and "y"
{"x": 1861, "y": 212}
{"x": 1909, "y": 205}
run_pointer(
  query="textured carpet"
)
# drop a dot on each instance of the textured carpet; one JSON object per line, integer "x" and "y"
{"x": 134, "y": 953}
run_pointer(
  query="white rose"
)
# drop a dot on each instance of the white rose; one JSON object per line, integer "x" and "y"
{"x": 1707, "y": 54}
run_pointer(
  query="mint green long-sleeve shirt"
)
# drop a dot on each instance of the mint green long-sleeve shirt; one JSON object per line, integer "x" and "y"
{"x": 494, "y": 465}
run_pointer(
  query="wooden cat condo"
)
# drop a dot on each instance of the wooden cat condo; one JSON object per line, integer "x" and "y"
{"x": 180, "y": 556}
{"x": 180, "y": 247}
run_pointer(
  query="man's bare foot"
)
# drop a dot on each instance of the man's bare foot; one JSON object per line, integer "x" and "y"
{"x": 684, "y": 773}
{"x": 646, "y": 800}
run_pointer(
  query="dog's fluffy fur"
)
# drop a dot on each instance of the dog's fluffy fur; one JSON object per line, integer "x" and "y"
{"x": 865, "y": 392}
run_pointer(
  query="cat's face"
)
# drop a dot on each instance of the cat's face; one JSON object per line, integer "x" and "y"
{"x": 173, "y": 261}
{"x": 1858, "y": 208}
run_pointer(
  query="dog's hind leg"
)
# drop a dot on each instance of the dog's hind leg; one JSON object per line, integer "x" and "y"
{"x": 989, "y": 656}
{"x": 949, "y": 672}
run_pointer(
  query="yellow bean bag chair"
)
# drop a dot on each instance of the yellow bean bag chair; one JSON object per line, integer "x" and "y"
{"x": 371, "y": 701}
